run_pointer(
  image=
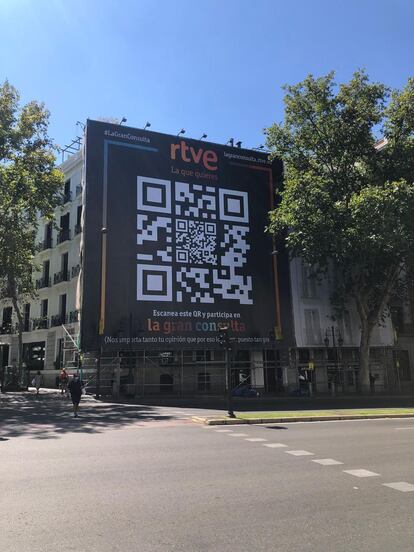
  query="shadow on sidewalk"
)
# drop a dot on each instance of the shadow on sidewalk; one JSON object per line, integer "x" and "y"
{"x": 49, "y": 416}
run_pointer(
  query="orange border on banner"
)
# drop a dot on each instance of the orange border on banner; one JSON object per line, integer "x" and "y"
{"x": 278, "y": 329}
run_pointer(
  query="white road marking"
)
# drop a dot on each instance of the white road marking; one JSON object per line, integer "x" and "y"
{"x": 237, "y": 434}
{"x": 256, "y": 439}
{"x": 400, "y": 486}
{"x": 275, "y": 445}
{"x": 402, "y": 428}
{"x": 327, "y": 462}
{"x": 299, "y": 452}
{"x": 223, "y": 430}
{"x": 362, "y": 473}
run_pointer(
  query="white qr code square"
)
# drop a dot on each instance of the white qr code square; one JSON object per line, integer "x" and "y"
{"x": 193, "y": 242}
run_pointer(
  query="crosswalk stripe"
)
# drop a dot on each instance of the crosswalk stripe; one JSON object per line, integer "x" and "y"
{"x": 362, "y": 473}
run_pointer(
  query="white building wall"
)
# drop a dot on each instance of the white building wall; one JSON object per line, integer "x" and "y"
{"x": 310, "y": 297}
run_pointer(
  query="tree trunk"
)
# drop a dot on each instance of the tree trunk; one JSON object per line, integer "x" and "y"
{"x": 364, "y": 353}
{"x": 20, "y": 340}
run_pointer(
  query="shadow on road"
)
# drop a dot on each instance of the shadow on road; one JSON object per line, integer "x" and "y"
{"x": 50, "y": 416}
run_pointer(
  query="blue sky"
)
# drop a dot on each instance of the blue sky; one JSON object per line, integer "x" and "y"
{"x": 213, "y": 66}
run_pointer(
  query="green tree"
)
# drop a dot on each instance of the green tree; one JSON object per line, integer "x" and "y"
{"x": 347, "y": 207}
{"x": 30, "y": 186}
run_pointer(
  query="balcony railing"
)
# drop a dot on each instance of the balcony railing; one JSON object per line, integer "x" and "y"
{"x": 67, "y": 196}
{"x": 58, "y": 319}
{"x": 75, "y": 271}
{"x": 78, "y": 229}
{"x": 45, "y": 244}
{"x": 62, "y": 276}
{"x": 64, "y": 235}
{"x": 40, "y": 323}
{"x": 74, "y": 316}
{"x": 7, "y": 328}
{"x": 43, "y": 282}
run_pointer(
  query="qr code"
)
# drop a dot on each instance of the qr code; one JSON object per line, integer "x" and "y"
{"x": 193, "y": 242}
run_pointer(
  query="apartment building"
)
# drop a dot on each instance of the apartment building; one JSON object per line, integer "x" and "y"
{"x": 307, "y": 342}
{"x": 56, "y": 281}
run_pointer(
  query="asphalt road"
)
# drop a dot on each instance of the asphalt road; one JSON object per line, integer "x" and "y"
{"x": 129, "y": 478}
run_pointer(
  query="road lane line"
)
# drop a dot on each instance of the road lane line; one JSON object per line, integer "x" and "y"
{"x": 256, "y": 439}
{"x": 402, "y": 428}
{"x": 275, "y": 445}
{"x": 402, "y": 486}
{"x": 327, "y": 462}
{"x": 223, "y": 430}
{"x": 299, "y": 452}
{"x": 362, "y": 473}
{"x": 237, "y": 434}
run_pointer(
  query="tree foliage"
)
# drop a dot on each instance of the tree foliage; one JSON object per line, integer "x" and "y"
{"x": 30, "y": 186}
{"x": 347, "y": 206}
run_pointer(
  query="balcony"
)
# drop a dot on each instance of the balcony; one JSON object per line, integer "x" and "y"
{"x": 74, "y": 316}
{"x": 7, "y": 328}
{"x": 43, "y": 282}
{"x": 58, "y": 320}
{"x": 62, "y": 276}
{"x": 67, "y": 196}
{"x": 75, "y": 271}
{"x": 64, "y": 235}
{"x": 78, "y": 229}
{"x": 45, "y": 244}
{"x": 40, "y": 323}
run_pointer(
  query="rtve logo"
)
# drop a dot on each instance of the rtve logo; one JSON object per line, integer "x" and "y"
{"x": 190, "y": 155}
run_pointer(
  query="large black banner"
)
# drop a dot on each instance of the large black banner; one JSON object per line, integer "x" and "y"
{"x": 174, "y": 242}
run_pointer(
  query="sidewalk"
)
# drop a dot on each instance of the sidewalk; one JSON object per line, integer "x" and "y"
{"x": 50, "y": 416}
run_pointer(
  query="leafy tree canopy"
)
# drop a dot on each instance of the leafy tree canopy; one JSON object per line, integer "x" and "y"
{"x": 30, "y": 185}
{"x": 348, "y": 199}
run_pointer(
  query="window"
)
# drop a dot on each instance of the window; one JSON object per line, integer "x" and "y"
{"x": 48, "y": 236}
{"x": 6, "y": 326}
{"x": 203, "y": 381}
{"x": 43, "y": 308}
{"x": 312, "y": 327}
{"x": 64, "y": 233}
{"x": 403, "y": 365}
{"x": 62, "y": 305}
{"x": 309, "y": 284}
{"x": 79, "y": 215}
{"x": 34, "y": 355}
{"x": 7, "y": 315}
{"x": 64, "y": 263}
{"x": 26, "y": 317}
{"x": 78, "y": 220}
{"x": 67, "y": 196}
{"x": 397, "y": 317}
{"x": 46, "y": 271}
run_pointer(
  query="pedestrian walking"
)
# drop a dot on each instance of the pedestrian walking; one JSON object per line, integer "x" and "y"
{"x": 37, "y": 381}
{"x": 75, "y": 389}
{"x": 64, "y": 380}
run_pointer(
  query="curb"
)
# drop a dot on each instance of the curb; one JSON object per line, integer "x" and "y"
{"x": 252, "y": 421}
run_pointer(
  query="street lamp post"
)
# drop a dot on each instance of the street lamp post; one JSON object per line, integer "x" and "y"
{"x": 337, "y": 342}
{"x": 224, "y": 341}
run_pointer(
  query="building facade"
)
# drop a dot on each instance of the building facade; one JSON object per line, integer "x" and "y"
{"x": 291, "y": 334}
{"x": 54, "y": 313}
